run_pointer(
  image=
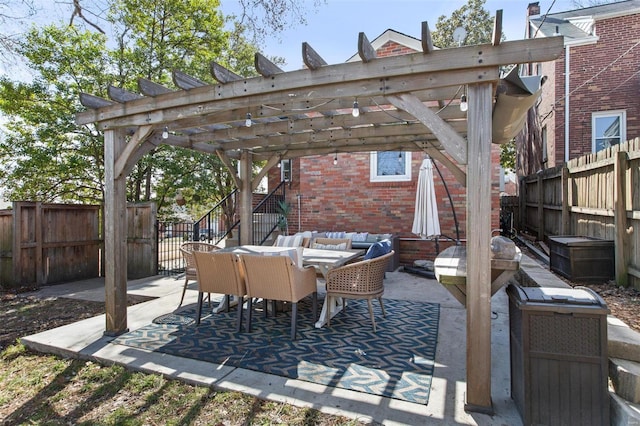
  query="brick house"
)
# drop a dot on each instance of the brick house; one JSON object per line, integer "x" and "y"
{"x": 346, "y": 192}
{"x": 590, "y": 98}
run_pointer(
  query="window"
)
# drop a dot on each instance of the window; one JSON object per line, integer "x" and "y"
{"x": 390, "y": 166}
{"x": 285, "y": 170}
{"x": 608, "y": 128}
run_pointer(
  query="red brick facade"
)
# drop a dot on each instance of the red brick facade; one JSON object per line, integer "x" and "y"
{"x": 341, "y": 197}
{"x": 603, "y": 77}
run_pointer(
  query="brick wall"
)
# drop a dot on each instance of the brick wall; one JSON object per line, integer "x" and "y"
{"x": 602, "y": 79}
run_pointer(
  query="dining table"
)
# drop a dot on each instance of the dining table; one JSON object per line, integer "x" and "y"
{"x": 322, "y": 259}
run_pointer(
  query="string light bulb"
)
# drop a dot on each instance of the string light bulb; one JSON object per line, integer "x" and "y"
{"x": 464, "y": 106}
{"x": 165, "y": 133}
{"x": 400, "y": 157}
{"x": 248, "y": 121}
{"x": 356, "y": 109}
{"x": 335, "y": 159}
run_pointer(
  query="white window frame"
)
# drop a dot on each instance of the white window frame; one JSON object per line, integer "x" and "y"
{"x": 373, "y": 169}
{"x": 621, "y": 114}
{"x": 285, "y": 170}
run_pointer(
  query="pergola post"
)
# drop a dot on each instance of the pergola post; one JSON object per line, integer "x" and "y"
{"x": 478, "y": 249}
{"x": 115, "y": 235}
{"x": 246, "y": 198}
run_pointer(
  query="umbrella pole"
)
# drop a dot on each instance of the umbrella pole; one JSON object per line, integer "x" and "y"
{"x": 455, "y": 218}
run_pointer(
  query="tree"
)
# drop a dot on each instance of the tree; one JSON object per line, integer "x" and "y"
{"x": 12, "y": 15}
{"x": 46, "y": 157}
{"x": 473, "y": 18}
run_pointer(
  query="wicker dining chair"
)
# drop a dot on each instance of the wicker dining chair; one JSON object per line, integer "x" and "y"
{"x": 220, "y": 273}
{"x": 359, "y": 280}
{"x": 187, "y": 250}
{"x": 278, "y": 278}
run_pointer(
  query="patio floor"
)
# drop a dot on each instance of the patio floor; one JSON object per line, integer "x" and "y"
{"x": 85, "y": 340}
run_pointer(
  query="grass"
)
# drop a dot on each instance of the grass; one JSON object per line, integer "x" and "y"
{"x": 45, "y": 389}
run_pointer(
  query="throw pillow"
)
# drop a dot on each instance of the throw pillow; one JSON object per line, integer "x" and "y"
{"x": 289, "y": 241}
{"x": 378, "y": 249}
{"x": 341, "y": 246}
{"x": 336, "y": 234}
{"x": 360, "y": 236}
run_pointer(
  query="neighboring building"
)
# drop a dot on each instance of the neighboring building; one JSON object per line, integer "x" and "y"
{"x": 351, "y": 193}
{"x": 590, "y": 98}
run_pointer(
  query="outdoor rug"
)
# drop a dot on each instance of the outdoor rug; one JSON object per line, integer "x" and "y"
{"x": 396, "y": 362}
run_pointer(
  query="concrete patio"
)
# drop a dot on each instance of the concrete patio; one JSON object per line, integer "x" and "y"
{"x": 85, "y": 340}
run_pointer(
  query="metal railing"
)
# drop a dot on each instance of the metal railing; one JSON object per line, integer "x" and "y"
{"x": 218, "y": 222}
{"x": 171, "y": 235}
{"x": 212, "y": 227}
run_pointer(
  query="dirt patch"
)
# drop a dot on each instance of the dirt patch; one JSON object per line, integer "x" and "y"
{"x": 24, "y": 315}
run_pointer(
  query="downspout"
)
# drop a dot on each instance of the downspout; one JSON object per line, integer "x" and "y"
{"x": 567, "y": 79}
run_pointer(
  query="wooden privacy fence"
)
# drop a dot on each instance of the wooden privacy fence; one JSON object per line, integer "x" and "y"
{"x": 594, "y": 196}
{"x": 50, "y": 243}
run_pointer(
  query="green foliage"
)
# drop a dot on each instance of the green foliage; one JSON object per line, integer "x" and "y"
{"x": 476, "y": 21}
{"x": 508, "y": 155}
{"x": 45, "y": 156}
{"x": 283, "y": 209}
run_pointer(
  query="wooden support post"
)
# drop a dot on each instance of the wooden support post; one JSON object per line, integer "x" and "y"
{"x": 246, "y": 200}
{"x": 479, "y": 249}
{"x": 621, "y": 239}
{"x": 565, "y": 226}
{"x": 115, "y": 235}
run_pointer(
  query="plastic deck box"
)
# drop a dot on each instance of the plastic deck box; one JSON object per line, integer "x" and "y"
{"x": 582, "y": 258}
{"x": 559, "y": 361}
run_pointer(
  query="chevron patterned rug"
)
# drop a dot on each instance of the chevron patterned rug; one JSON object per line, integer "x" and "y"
{"x": 396, "y": 362}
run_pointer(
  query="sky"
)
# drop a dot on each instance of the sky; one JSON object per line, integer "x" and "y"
{"x": 333, "y": 29}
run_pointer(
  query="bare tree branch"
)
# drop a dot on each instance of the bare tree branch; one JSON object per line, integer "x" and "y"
{"x": 77, "y": 11}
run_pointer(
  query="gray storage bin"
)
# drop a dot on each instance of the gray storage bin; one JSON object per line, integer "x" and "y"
{"x": 559, "y": 362}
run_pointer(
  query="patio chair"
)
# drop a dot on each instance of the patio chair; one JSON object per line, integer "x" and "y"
{"x": 359, "y": 280}
{"x": 330, "y": 243}
{"x": 187, "y": 250}
{"x": 220, "y": 273}
{"x": 278, "y": 278}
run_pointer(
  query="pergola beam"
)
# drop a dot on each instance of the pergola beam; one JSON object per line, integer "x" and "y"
{"x": 449, "y": 60}
{"x": 454, "y": 144}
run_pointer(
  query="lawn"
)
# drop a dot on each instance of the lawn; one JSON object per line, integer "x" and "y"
{"x": 45, "y": 389}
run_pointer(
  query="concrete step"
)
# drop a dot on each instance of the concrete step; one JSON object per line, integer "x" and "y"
{"x": 625, "y": 378}
{"x": 623, "y": 412}
{"x": 624, "y": 342}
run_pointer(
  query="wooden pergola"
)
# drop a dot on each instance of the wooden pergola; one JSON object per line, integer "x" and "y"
{"x": 406, "y": 103}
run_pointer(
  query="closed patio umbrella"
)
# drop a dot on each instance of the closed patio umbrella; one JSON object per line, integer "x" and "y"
{"x": 425, "y": 218}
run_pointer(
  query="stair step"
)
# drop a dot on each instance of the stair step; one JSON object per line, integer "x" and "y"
{"x": 623, "y": 412}
{"x": 625, "y": 377}
{"x": 624, "y": 342}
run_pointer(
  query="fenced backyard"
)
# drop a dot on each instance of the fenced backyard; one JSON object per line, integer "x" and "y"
{"x": 593, "y": 196}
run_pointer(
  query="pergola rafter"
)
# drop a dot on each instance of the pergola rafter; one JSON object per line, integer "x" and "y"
{"x": 407, "y": 103}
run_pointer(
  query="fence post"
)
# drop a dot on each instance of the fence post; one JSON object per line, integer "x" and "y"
{"x": 565, "y": 226}
{"x": 540, "y": 207}
{"x": 621, "y": 239}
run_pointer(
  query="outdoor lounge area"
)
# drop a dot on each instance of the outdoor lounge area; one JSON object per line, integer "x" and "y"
{"x": 438, "y": 397}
